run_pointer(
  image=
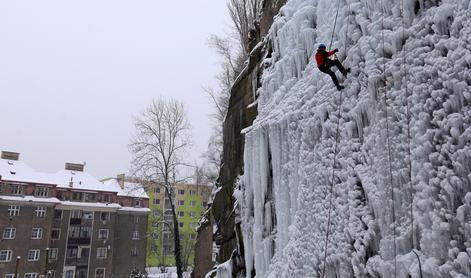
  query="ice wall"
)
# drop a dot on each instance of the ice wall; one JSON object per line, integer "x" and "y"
{"x": 289, "y": 150}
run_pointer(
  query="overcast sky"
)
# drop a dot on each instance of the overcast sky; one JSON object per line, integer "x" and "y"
{"x": 72, "y": 74}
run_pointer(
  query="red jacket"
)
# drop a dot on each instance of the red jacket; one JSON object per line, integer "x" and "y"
{"x": 321, "y": 55}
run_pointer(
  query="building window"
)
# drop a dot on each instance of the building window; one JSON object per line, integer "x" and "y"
{"x": 72, "y": 252}
{"x": 104, "y": 216}
{"x": 40, "y": 211}
{"x": 55, "y": 233}
{"x": 16, "y": 189}
{"x": 167, "y": 250}
{"x": 31, "y": 275}
{"x": 41, "y": 191}
{"x": 57, "y": 214}
{"x": 192, "y": 225}
{"x": 99, "y": 273}
{"x": 76, "y": 214}
{"x": 14, "y": 210}
{"x": 83, "y": 252}
{"x": 156, "y": 201}
{"x": 69, "y": 274}
{"x": 52, "y": 253}
{"x": 9, "y": 233}
{"x": 77, "y": 196}
{"x": 181, "y": 213}
{"x": 181, "y": 192}
{"x": 135, "y": 235}
{"x": 90, "y": 197}
{"x": 134, "y": 251}
{"x": 180, "y": 224}
{"x": 5, "y": 255}
{"x": 181, "y": 203}
{"x": 107, "y": 198}
{"x": 101, "y": 253}
{"x": 167, "y": 236}
{"x": 137, "y": 203}
{"x": 85, "y": 232}
{"x": 157, "y": 190}
{"x": 74, "y": 231}
{"x": 33, "y": 255}
{"x": 156, "y": 213}
{"x": 192, "y": 192}
{"x": 192, "y": 214}
{"x": 103, "y": 233}
{"x": 192, "y": 236}
{"x": 37, "y": 233}
{"x": 10, "y": 275}
{"x": 193, "y": 203}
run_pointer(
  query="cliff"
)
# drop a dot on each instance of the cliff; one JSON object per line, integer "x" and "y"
{"x": 372, "y": 181}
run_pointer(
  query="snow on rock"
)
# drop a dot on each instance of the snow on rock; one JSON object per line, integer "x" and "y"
{"x": 289, "y": 151}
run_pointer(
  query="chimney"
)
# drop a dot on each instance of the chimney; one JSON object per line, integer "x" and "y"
{"x": 74, "y": 167}
{"x": 120, "y": 178}
{"x": 10, "y": 155}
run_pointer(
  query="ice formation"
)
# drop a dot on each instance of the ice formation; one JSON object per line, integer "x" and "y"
{"x": 289, "y": 149}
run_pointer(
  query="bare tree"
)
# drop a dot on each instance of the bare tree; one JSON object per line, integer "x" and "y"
{"x": 244, "y": 14}
{"x": 162, "y": 136}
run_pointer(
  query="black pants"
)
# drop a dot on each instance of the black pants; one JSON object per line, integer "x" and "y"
{"x": 325, "y": 68}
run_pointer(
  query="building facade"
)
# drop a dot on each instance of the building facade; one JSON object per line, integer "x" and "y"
{"x": 69, "y": 224}
{"x": 190, "y": 201}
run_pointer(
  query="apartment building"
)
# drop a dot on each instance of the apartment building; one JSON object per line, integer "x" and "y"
{"x": 69, "y": 224}
{"x": 190, "y": 201}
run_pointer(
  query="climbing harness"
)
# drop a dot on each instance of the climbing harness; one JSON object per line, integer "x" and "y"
{"x": 388, "y": 139}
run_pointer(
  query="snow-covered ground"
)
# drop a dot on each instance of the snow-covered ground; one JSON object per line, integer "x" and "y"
{"x": 293, "y": 138}
{"x": 154, "y": 272}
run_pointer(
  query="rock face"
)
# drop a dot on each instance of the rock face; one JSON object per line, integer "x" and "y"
{"x": 239, "y": 116}
{"x": 204, "y": 247}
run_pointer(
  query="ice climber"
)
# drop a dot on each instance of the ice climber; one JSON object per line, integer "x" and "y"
{"x": 324, "y": 64}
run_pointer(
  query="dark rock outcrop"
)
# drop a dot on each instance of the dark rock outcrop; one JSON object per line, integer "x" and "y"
{"x": 239, "y": 116}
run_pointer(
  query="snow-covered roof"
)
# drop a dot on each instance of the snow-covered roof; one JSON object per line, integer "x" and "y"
{"x": 15, "y": 170}
{"x": 129, "y": 189}
{"x": 28, "y": 198}
{"x": 132, "y": 209}
{"x": 90, "y": 204}
{"x": 82, "y": 181}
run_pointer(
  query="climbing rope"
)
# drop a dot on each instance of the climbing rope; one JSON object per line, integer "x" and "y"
{"x": 408, "y": 117}
{"x": 337, "y": 136}
{"x": 388, "y": 140}
{"x": 337, "y": 139}
{"x": 335, "y": 24}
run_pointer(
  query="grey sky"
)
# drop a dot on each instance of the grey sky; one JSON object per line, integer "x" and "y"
{"x": 72, "y": 74}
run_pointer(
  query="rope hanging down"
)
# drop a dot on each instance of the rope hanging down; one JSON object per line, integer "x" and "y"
{"x": 337, "y": 138}
{"x": 408, "y": 117}
{"x": 335, "y": 24}
{"x": 388, "y": 140}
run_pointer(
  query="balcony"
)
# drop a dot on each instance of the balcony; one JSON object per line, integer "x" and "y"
{"x": 75, "y": 221}
{"x": 79, "y": 241}
{"x": 77, "y": 261}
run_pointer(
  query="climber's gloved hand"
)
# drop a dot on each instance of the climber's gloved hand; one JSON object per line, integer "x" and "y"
{"x": 336, "y": 50}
